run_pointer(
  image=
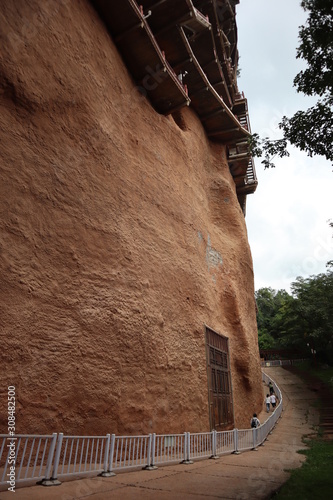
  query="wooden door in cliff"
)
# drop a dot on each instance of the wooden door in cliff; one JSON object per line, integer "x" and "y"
{"x": 219, "y": 381}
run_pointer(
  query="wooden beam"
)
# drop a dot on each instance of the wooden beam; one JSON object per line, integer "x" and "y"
{"x": 212, "y": 114}
{"x": 180, "y": 20}
{"x": 176, "y": 108}
{"x": 182, "y": 63}
{"x": 156, "y": 4}
{"x": 209, "y": 63}
{"x": 198, "y": 91}
{"x": 239, "y": 156}
{"x": 226, "y": 131}
{"x": 122, "y": 35}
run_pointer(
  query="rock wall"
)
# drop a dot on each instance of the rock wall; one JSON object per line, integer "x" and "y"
{"x": 121, "y": 237}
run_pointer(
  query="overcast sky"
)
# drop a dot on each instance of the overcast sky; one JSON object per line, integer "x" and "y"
{"x": 287, "y": 215}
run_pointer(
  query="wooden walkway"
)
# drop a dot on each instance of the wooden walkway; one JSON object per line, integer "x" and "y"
{"x": 184, "y": 52}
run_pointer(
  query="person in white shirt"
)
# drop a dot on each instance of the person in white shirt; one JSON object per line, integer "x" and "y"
{"x": 273, "y": 401}
{"x": 268, "y": 402}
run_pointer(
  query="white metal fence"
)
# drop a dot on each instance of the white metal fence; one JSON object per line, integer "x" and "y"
{"x": 31, "y": 455}
{"x": 78, "y": 455}
{"x": 281, "y": 362}
{"x": 49, "y": 458}
{"x": 170, "y": 448}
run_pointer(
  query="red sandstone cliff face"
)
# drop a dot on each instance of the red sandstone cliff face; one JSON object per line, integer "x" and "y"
{"x": 121, "y": 237}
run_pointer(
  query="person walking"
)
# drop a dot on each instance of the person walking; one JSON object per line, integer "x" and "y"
{"x": 268, "y": 402}
{"x": 255, "y": 421}
{"x": 273, "y": 401}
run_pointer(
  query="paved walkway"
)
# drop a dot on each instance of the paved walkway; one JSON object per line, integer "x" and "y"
{"x": 252, "y": 474}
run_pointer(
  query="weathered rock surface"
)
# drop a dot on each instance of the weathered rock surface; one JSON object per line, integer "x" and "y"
{"x": 121, "y": 237}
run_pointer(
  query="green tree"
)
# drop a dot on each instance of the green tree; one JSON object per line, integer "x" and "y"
{"x": 311, "y": 130}
{"x": 270, "y": 304}
{"x": 314, "y": 299}
{"x": 302, "y": 320}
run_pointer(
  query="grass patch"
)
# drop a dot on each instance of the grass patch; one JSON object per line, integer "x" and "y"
{"x": 321, "y": 371}
{"x": 314, "y": 480}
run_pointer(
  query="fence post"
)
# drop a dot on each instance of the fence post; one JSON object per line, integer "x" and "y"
{"x": 48, "y": 481}
{"x": 187, "y": 449}
{"x": 150, "y": 453}
{"x": 236, "y": 451}
{"x": 57, "y": 457}
{"x": 107, "y": 471}
{"x": 153, "y": 442}
{"x": 254, "y": 439}
{"x": 214, "y": 444}
{"x": 113, "y": 441}
{"x": 53, "y": 481}
{"x": 152, "y": 458}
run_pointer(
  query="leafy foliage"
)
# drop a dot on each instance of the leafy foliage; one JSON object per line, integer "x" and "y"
{"x": 316, "y": 48}
{"x": 311, "y": 130}
{"x": 271, "y": 304}
{"x": 268, "y": 148}
{"x": 314, "y": 297}
{"x": 302, "y": 320}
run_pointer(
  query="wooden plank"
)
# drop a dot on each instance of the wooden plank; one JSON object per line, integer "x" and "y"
{"x": 142, "y": 54}
{"x": 211, "y": 101}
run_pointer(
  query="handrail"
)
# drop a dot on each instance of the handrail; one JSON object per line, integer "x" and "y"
{"x": 281, "y": 362}
{"x": 233, "y": 119}
{"x": 49, "y": 457}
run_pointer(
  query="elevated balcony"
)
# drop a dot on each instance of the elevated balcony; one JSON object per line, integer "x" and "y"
{"x": 184, "y": 52}
{"x": 142, "y": 54}
{"x": 242, "y": 168}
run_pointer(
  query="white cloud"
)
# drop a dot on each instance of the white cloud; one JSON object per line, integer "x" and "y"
{"x": 287, "y": 221}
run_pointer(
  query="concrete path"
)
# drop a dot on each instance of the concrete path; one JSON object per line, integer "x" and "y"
{"x": 250, "y": 475}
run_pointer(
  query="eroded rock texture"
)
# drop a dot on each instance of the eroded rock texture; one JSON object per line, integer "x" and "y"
{"x": 121, "y": 237}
